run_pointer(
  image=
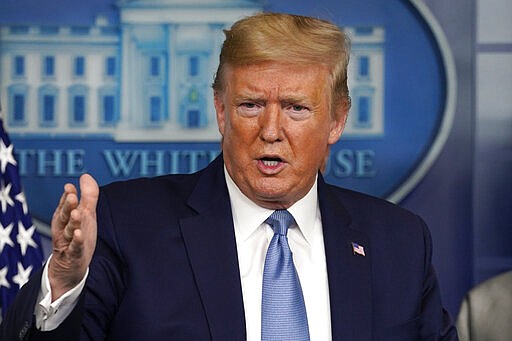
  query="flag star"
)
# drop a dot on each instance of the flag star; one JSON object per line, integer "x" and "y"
{"x": 6, "y": 156}
{"x": 23, "y": 200}
{"x": 24, "y": 237}
{"x": 5, "y": 236}
{"x": 5, "y": 197}
{"x": 3, "y": 277}
{"x": 22, "y": 275}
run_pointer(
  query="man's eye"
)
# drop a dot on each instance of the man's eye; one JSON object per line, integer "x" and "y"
{"x": 248, "y": 105}
{"x": 248, "y": 109}
{"x": 297, "y": 111}
{"x": 297, "y": 108}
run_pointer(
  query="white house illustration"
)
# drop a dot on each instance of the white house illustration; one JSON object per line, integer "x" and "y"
{"x": 148, "y": 77}
{"x": 366, "y": 82}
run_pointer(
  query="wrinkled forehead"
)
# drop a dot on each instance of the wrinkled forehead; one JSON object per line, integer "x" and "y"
{"x": 231, "y": 73}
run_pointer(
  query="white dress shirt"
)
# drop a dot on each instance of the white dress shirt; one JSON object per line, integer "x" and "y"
{"x": 306, "y": 241}
{"x": 252, "y": 239}
{"x": 49, "y": 315}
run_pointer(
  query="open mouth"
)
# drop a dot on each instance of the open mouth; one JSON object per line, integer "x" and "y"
{"x": 270, "y": 161}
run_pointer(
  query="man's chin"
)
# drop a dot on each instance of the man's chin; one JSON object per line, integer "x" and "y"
{"x": 273, "y": 198}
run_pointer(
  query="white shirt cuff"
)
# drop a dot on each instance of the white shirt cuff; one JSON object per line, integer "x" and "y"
{"x": 49, "y": 315}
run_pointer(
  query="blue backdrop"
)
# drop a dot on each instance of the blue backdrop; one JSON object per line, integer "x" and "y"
{"x": 415, "y": 87}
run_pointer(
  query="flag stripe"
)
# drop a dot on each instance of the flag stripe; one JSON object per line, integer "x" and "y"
{"x": 20, "y": 244}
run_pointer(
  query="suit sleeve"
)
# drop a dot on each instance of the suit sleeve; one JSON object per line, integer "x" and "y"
{"x": 106, "y": 283}
{"x": 96, "y": 306}
{"x": 19, "y": 319}
{"x": 436, "y": 321}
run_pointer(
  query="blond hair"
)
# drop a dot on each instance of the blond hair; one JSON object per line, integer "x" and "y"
{"x": 288, "y": 38}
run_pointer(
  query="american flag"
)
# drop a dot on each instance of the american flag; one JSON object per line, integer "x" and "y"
{"x": 356, "y": 248}
{"x": 20, "y": 244}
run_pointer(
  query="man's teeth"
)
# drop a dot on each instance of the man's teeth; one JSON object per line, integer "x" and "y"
{"x": 270, "y": 163}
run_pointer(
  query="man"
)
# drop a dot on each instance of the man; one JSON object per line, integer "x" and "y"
{"x": 184, "y": 257}
{"x": 486, "y": 311}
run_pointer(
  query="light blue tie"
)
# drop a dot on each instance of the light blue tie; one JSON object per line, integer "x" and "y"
{"x": 283, "y": 312}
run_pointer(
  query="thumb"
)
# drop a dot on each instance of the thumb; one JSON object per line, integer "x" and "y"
{"x": 89, "y": 192}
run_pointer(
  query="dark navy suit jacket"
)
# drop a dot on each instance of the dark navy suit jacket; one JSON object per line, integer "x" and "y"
{"x": 166, "y": 268}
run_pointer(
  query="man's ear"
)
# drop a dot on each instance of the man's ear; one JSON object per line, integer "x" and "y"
{"x": 338, "y": 123}
{"x": 220, "y": 110}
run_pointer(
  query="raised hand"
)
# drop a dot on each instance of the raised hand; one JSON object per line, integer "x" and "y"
{"x": 74, "y": 231}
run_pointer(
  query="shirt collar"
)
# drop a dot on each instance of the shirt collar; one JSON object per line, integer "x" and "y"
{"x": 248, "y": 216}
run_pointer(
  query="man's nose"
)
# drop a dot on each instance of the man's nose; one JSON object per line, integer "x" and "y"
{"x": 271, "y": 124}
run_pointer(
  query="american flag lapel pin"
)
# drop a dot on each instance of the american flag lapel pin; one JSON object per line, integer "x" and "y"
{"x": 358, "y": 249}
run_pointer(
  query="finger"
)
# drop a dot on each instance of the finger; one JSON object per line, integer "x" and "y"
{"x": 73, "y": 225}
{"x": 89, "y": 192}
{"x": 70, "y": 203}
{"x": 77, "y": 244}
{"x": 67, "y": 202}
{"x": 68, "y": 188}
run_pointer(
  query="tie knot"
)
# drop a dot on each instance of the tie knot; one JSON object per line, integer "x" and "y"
{"x": 280, "y": 220}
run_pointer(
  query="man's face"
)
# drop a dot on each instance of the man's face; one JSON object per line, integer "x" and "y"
{"x": 276, "y": 123}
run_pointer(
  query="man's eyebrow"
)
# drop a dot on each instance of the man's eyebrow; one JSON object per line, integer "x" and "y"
{"x": 249, "y": 95}
{"x": 294, "y": 98}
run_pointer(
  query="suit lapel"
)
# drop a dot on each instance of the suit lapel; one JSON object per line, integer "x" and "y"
{"x": 211, "y": 246}
{"x": 349, "y": 272}
{"x": 210, "y": 241}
